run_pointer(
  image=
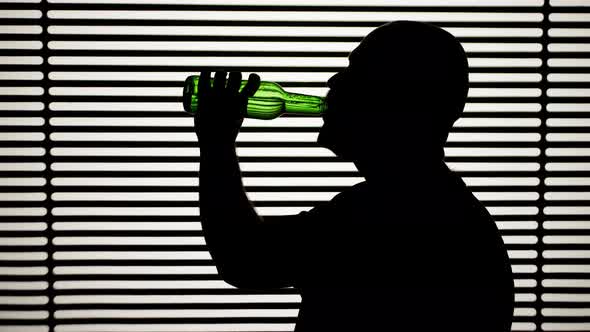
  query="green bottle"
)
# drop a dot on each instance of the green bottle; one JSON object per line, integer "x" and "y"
{"x": 269, "y": 101}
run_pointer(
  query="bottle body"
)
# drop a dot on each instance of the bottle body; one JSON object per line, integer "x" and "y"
{"x": 269, "y": 101}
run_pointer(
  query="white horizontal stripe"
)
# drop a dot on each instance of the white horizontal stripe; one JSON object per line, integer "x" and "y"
{"x": 23, "y": 271}
{"x": 450, "y": 3}
{"x": 557, "y": 297}
{"x": 244, "y": 166}
{"x": 22, "y": 136}
{"x": 206, "y": 46}
{"x": 504, "y": 77}
{"x": 23, "y": 256}
{"x": 24, "y": 300}
{"x": 22, "y": 151}
{"x": 496, "y": 167}
{"x": 21, "y": 106}
{"x": 318, "y": 77}
{"x": 20, "y": 29}
{"x": 242, "y": 152}
{"x": 568, "y": 283}
{"x": 566, "y": 254}
{"x": 509, "y": 210}
{"x": 23, "y": 241}
{"x": 298, "y": 16}
{"x": 522, "y": 254}
{"x": 125, "y": 211}
{"x": 564, "y": 326}
{"x": 21, "y": 44}
{"x": 519, "y": 239}
{"x": 563, "y": 312}
{"x": 22, "y": 212}
{"x": 23, "y": 315}
{"x": 187, "y": 196}
{"x": 502, "y": 107}
{"x": 498, "y": 122}
{"x": 564, "y": 224}
{"x": 569, "y": 77}
{"x": 199, "y": 61}
{"x": 567, "y": 196}
{"x": 568, "y": 210}
{"x": 22, "y": 197}
{"x": 578, "y": 47}
{"x": 501, "y": 181}
{"x": 569, "y": 62}
{"x": 23, "y": 226}
{"x": 568, "y": 32}
{"x": 141, "y": 284}
{"x": 506, "y": 196}
{"x": 177, "y": 298}
{"x": 184, "y": 313}
{"x": 507, "y": 225}
{"x": 557, "y": 268}
{"x": 560, "y": 3}
{"x": 23, "y": 285}
{"x": 21, "y": 60}
{"x": 268, "y": 137}
{"x": 569, "y": 17}
{"x": 567, "y": 181}
{"x": 254, "y": 46}
{"x": 568, "y": 122}
{"x": 135, "y": 226}
{"x": 28, "y": 182}
{"x": 272, "y": 31}
{"x": 21, "y": 121}
{"x": 494, "y": 137}
{"x": 21, "y": 75}
{"x": 22, "y": 167}
{"x": 161, "y": 211}
{"x": 194, "y": 181}
{"x": 560, "y": 92}
{"x": 20, "y": 13}
{"x": 569, "y": 107}
{"x": 568, "y": 137}
{"x": 257, "y": 61}
{"x": 520, "y": 268}
{"x": 147, "y": 270}
{"x": 568, "y": 166}
{"x": 201, "y": 327}
{"x": 134, "y": 255}
{"x": 567, "y": 152}
{"x": 22, "y": 91}
{"x": 128, "y": 240}
{"x": 485, "y": 152}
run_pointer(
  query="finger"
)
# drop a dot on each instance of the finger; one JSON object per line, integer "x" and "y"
{"x": 219, "y": 81}
{"x": 252, "y": 85}
{"x": 204, "y": 82}
{"x": 233, "y": 82}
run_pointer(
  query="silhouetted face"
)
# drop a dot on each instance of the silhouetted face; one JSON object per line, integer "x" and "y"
{"x": 405, "y": 84}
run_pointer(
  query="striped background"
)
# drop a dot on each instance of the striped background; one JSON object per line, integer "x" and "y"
{"x": 99, "y": 212}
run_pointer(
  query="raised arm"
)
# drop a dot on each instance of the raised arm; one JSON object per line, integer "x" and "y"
{"x": 246, "y": 251}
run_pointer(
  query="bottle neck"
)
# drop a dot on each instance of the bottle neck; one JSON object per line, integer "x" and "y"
{"x": 298, "y": 103}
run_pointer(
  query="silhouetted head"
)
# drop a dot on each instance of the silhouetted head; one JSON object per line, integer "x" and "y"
{"x": 404, "y": 87}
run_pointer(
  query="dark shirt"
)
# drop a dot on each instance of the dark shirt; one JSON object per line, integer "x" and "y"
{"x": 426, "y": 256}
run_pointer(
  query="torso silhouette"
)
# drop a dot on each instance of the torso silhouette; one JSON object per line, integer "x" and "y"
{"x": 417, "y": 257}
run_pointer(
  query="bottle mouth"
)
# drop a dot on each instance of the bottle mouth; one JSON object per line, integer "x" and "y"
{"x": 187, "y": 93}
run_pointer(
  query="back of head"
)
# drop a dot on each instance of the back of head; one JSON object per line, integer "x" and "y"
{"x": 409, "y": 80}
{"x": 419, "y": 68}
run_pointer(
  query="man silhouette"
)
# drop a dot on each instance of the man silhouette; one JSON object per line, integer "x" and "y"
{"x": 408, "y": 249}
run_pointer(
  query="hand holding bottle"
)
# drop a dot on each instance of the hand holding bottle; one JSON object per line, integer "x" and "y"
{"x": 222, "y": 107}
